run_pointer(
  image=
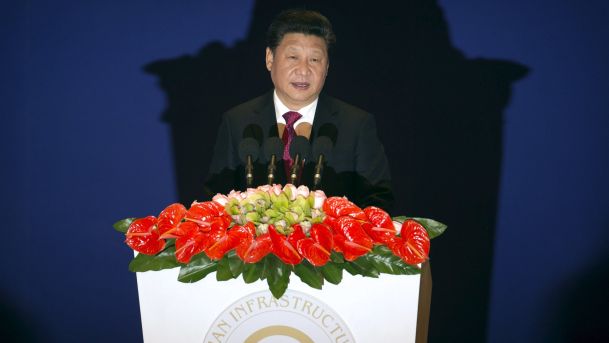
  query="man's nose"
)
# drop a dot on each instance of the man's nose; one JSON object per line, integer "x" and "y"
{"x": 303, "y": 67}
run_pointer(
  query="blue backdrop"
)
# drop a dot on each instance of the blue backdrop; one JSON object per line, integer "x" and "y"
{"x": 83, "y": 146}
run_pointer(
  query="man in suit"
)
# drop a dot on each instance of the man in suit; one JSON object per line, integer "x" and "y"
{"x": 298, "y": 62}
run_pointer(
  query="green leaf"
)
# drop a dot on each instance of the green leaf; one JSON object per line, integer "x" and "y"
{"x": 384, "y": 261}
{"x": 399, "y": 219}
{"x": 278, "y": 276}
{"x": 252, "y": 272}
{"x": 336, "y": 257}
{"x": 164, "y": 260}
{"x": 224, "y": 273}
{"x": 235, "y": 263}
{"x": 198, "y": 268}
{"x": 123, "y": 225}
{"x": 351, "y": 269}
{"x": 434, "y": 228}
{"x": 266, "y": 266}
{"x": 309, "y": 274}
{"x": 333, "y": 272}
{"x": 363, "y": 267}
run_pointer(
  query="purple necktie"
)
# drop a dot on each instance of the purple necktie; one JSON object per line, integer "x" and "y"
{"x": 288, "y": 135}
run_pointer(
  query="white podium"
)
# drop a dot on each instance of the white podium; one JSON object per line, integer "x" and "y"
{"x": 391, "y": 308}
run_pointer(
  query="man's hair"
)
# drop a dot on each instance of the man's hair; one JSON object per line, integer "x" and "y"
{"x": 299, "y": 21}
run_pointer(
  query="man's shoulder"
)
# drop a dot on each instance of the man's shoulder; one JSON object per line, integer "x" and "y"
{"x": 251, "y": 106}
{"x": 343, "y": 108}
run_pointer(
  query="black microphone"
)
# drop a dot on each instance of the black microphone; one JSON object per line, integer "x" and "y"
{"x": 300, "y": 149}
{"x": 272, "y": 148}
{"x": 249, "y": 149}
{"x": 328, "y": 130}
{"x": 254, "y": 131}
{"x": 322, "y": 149}
{"x": 273, "y": 131}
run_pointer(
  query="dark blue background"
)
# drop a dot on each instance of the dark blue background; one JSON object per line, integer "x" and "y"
{"x": 83, "y": 146}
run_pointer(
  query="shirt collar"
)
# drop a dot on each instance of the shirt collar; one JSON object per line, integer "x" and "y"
{"x": 307, "y": 112}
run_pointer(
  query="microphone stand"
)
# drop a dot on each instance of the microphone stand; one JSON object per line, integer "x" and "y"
{"x": 249, "y": 172}
{"x": 319, "y": 168}
{"x": 295, "y": 170}
{"x": 271, "y": 170}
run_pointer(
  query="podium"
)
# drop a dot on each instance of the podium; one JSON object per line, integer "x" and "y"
{"x": 391, "y": 308}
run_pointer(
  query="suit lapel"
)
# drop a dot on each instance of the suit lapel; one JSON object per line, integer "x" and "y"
{"x": 265, "y": 116}
{"x": 324, "y": 114}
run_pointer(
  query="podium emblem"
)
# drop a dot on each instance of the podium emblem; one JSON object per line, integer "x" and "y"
{"x": 295, "y": 317}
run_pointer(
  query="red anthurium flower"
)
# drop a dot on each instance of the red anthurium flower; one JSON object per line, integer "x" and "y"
{"x": 250, "y": 248}
{"x": 413, "y": 243}
{"x": 379, "y": 218}
{"x": 317, "y": 248}
{"x": 338, "y": 207}
{"x": 203, "y": 213}
{"x": 190, "y": 241}
{"x": 322, "y": 234}
{"x": 330, "y": 222}
{"x": 259, "y": 248}
{"x": 220, "y": 243}
{"x": 296, "y": 235}
{"x": 243, "y": 231}
{"x": 169, "y": 219}
{"x": 380, "y": 226}
{"x": 353, "y": 232}
{"x": 378, "y": 234}
{"x": 351, "y": 251}
{"x": 143, "y": 236}
{"x": 282, "y": 248}
{"x": 350, "y": 238}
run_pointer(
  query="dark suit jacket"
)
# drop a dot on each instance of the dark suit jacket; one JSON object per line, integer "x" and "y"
{"x": 358, "y": 168}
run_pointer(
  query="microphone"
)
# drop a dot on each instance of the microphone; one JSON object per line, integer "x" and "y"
{"x": 300, "y": 149}
{"x": 254, "y": 131}
{"x": 273, "y": 131}
{"x": 322, "y": 148}
{"x": 249, "y": 149}
{"x": 272, "y": 148}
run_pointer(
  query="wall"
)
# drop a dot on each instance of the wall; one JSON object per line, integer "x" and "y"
{"x": 84, "y": 145}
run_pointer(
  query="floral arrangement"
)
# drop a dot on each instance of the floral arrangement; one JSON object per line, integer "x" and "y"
{"x": 270, "y": 232}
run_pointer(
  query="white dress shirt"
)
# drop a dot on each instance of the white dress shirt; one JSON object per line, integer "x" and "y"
{"x": 307, "y": 112}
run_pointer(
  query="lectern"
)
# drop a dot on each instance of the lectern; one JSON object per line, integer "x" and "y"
{"x": 391, "y": 308}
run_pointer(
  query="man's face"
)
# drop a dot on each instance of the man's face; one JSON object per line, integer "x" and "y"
{"x": 298, "y": 68}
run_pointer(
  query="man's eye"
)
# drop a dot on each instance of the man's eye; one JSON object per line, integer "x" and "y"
{"x": 292, "y": 57}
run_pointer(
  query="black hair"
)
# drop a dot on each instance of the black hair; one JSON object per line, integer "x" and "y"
{"x": 299, "y": 21}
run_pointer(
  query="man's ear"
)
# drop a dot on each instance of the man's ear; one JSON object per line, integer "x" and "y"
{"x": 269, "y": 58}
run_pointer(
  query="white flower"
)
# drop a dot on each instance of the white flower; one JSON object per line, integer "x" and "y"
{"x": 264, "y": 188}
{"x": 220, "y": 199}
{"x": 319, "y": 197}
{"x": 276, "y": 190}
{"x": 303, "y": 190}
{"x": 261, "y": 229}
{"x": 290, "y": 190}
{"x": 306, "y": 227}
{"x": 398, "y": 227}
{"x": 249, "y": 192}
{"x": 234, "y": 195}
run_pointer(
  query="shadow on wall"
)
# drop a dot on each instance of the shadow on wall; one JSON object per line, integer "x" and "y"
{"x": 438, "y": 113}
{"x": 16, "y": 325}
{"x": 581, "y": 306}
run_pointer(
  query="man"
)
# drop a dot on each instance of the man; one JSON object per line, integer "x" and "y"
{"x": 297, "y": 59}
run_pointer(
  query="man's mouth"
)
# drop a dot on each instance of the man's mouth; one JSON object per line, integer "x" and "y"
{"x": 301, "y": 85}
